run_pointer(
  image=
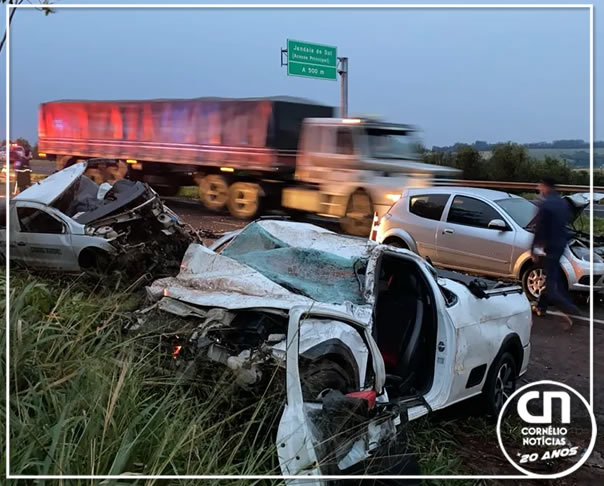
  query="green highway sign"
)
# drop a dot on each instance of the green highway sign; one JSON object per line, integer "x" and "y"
{"x": 311, "y": 60}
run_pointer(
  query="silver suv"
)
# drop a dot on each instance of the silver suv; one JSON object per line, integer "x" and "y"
{"x": 484, "y": 232}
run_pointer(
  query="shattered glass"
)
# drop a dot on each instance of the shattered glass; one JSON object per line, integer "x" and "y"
{"x": 320, "y": 275}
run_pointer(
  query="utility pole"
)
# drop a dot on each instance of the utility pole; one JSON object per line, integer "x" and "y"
{"x": 343, "y": 71}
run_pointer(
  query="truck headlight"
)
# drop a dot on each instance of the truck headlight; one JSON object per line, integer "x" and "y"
{"x": 582, "y": 253}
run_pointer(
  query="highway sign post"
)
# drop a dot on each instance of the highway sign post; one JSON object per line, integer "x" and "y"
{"x": 318, "y": 61}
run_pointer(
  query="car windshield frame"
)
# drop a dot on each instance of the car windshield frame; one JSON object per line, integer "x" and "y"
{"x": 405, "y": 146}
{"x": 528, "y": 224}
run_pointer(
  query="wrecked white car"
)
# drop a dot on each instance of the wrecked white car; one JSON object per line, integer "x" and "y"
{"x": 68, "y": 222}
{"x": 355, "y": 324}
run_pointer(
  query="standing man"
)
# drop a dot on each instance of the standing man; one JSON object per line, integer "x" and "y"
{"x": 551, "y": 236}
{"x": 20, "y": 165}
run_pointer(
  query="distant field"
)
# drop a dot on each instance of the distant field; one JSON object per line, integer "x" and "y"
{"x": 569, "y": 154}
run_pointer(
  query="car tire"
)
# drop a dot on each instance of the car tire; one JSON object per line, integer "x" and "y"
{"x": 500, "y": 383}
{"x": 396, "y": 243}
{"x": 95, "y": 261}
{"x": 533, "y": 277}
{"x": 324, "y": 374}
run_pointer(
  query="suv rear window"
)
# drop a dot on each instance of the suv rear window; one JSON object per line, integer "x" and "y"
{"x": 430, "y": 206}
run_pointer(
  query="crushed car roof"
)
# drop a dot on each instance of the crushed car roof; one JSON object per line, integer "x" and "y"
{"x": 52, "y": 187}
{"x": 276, "y": 264}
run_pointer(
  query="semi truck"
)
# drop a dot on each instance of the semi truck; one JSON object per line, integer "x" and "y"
{"x": 245, "y": 155}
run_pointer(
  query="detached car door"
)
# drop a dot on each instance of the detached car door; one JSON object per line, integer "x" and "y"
{"x": 466, "y": 242}
{"x": 41, "y": 238}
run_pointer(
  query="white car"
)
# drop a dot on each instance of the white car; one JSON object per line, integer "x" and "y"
{"x": 349, "y": 320}
{"x": 67, "y": 222}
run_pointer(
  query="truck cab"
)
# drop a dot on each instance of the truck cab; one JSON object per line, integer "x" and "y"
{"x": 351, "y": 168}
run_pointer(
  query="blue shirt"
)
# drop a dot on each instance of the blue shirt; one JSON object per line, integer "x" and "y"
{"x": 551, "y": 224}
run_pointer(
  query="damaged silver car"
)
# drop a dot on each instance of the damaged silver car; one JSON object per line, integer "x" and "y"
{"x": 67, "y": 222}
{"x": 359, "y": 327}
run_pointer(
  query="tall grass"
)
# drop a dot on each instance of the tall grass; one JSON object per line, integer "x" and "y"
{"x": 88, "y": 399}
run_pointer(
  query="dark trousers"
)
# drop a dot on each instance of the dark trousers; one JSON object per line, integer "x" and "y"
{"x": 555, "y": 292}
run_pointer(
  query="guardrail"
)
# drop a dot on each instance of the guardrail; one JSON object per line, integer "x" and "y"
{"x": 531, "y": 186}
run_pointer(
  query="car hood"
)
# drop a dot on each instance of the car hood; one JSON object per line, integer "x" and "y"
{"x": 579, "y": 201}
{"x": 48, "y": 190}
{"x": 123, "y": 193}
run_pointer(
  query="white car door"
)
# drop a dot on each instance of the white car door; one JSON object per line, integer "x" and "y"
{"x": 305, "y": 445}
{"x": 41, "y": 238}
{"x": 435, "y": 346}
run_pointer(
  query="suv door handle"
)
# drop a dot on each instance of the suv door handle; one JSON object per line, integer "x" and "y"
{"x": 21, "y": 243}
{"x": 448, "y": 231}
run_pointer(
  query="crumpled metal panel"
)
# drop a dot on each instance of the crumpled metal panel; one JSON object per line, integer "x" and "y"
{"x": 209, "y": 279}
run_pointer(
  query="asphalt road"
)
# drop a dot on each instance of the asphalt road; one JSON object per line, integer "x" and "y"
{"x": 200, "y": 218}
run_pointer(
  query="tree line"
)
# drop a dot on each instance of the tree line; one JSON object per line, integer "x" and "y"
{"x": 482, "y": 146}
{"x": 510, "y": 162}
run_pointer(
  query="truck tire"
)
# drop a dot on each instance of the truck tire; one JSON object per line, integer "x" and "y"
{"x": 359, "y": 215}
{"x": 213, "y": 191}
{"x": 244, "y": 200}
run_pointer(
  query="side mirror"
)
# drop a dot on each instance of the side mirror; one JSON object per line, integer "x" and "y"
{"x": 498, "y": 224}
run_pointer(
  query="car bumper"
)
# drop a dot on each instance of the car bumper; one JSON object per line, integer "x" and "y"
{"x": 578, "y": 275}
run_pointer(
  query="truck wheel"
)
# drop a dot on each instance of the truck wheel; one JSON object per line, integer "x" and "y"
{"x": 213, "y": 191}
{"x": 359, "y": 215}
{"x": 244, "y": 200}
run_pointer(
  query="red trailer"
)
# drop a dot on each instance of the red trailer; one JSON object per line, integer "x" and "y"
{"x": 169, "y": 143}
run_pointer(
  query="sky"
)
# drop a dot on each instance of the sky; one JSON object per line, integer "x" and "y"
{"x": 459, "y": 75}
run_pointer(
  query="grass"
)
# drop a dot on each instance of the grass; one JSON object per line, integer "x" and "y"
{"x": 190, "y": 192}
{"x": 88, "y": 399}
{"x": 583, "y": 223}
